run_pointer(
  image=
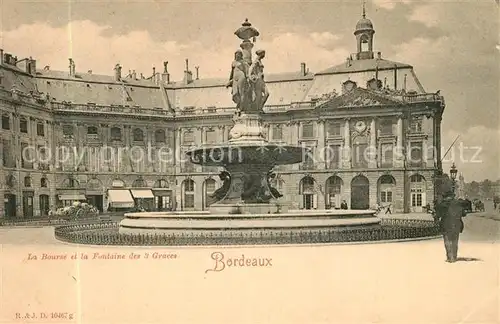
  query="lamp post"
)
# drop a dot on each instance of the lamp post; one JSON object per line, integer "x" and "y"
{"x": 453, "y": 175}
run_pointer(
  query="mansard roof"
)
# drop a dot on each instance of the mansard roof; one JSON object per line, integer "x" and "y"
{"x": 364, "y": 65}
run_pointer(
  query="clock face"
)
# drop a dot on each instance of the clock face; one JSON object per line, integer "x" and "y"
{"x": 360, "y": 126}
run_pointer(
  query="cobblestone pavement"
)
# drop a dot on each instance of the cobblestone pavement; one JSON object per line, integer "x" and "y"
{"x": 405, "y": 282}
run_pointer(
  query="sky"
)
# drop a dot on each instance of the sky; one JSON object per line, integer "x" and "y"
{"x": 452, "y": 45}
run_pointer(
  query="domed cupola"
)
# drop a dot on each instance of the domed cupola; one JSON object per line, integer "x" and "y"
{"x": 364, "y": 37}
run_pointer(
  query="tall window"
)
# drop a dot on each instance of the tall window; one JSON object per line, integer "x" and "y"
{"x": 188, "y": 138}
{"x": 23, "y": 125}
{"x": 416, "y": 154}
{"x": 308, "y": 162}
{"x": 26, "y": 156}
{"x": 416, "y": 125}
{"x": 43, "y": 183}
{"x": 360, "y": 152}
{"x": 160, "y": 136}
{"x": 333, "y": 156}
{"x": 188, "y": 193}
{"x": 277, "y": 133}
{"x": 40, "y": 129}
{"x": 138, "y": 135}
{"x": 386, "y": 127}
{"x": 5, "y": 122}
{"x": 417, "y": 189}
{"x": 386, "y": 155}
{"x": 116, "y": 134}
{"x": 308, "y": 130}
{"x": 210, "y": 136}
{"x": 334, "y": 129}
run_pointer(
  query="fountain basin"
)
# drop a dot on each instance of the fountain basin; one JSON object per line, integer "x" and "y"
{"x": 235, "y": 224}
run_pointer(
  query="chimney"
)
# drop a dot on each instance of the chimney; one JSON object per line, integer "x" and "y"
{"x": 165, "y": 77}
{"x": 379, "y": 55}
{"x": 197, "y": 72}
{"x": 71, "y": 67}
{"x": 134, "y": 75}
{"x": 395, "y": 77}
{"x": 89, "y": 71}
{"x": 1, "y": 56}
{"x": 32, "y": 66}
{"x": 303, "y": 70}
{"x": 188, "y": 75}
{"x": 142, "y": 76}
{"x": 153, "y": 78}
{"x": 118, "y": 72}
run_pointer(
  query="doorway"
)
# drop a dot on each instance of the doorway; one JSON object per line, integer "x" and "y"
{"x": 360, "y": 193}
{"x": 96, "y": 201}
{"x": 28, "y": 204}
{"x": 44, "y": 205}
{"x": 10, "y": 205}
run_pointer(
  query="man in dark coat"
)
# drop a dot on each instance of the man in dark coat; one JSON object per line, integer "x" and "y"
{"x": 449, "y": 213}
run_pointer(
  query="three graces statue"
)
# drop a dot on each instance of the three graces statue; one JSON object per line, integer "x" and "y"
{"x": 249, "y": 89}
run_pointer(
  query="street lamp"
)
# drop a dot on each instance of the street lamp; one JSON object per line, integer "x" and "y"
{"x": 453, "y": 172}
{"x": 453, "y": 175}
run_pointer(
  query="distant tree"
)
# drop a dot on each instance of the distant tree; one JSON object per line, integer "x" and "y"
{"x": 472, "y": 189}
{"x": 486, "y": 187}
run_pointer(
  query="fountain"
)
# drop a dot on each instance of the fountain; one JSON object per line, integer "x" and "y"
{"x": 246, "y": 205}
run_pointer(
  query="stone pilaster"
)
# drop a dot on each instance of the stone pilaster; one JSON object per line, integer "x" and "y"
{"x": 320, "y": 150}
{"x": 399, "y": 149}
{"x": 346, "y": 148}
{"x": 372, "y": 163}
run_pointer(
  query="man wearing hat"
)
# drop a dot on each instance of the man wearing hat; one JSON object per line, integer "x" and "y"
{"x": 449, "y": 213}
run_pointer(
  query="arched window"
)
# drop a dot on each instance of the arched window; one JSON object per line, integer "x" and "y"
{"x": 116, "y": 134}
{"x": 188, "y": 194}
{"x": 44, "y": 183}
{"x": 138, "y": 135}
{"x": 162, "y": 183}
{"x": 208, "y": 188}
{"x": 139, "y": 183}
{"x": 386, "y": 187}
{"x": 117, "y": 183}
{"x": 160, "y": 136}
{"x": 308, "y": 192}
{"x": 27, "y": 181}
{"x": 333, "y": 192}
{"x": 418, "y": 192}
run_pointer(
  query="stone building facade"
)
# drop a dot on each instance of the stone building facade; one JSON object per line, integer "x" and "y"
{"x": 119, "y": 141}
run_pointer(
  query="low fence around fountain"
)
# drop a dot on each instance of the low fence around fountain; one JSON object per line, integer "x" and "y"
{"x": 107, "y": 234}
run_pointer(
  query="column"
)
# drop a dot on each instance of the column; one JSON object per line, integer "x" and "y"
{"x": 36, "y": 204}
{"x": 346, "y": 148}
{"x": 320, "y": 149}
{"x": 372, "y": 163}
{"x": 399, "y": 161}
{"x": 177, "y": 150}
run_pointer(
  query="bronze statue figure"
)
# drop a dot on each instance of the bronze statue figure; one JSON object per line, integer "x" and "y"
{"x": 274, "y": 192}
{"x": 256, "y": 79}
{"x": 254, "y": 190}
{"x": 238, "y": 80}
{"x": 220, "y": 193}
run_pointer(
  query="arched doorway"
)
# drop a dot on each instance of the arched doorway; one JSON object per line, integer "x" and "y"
{"x": 163, "y": 195}
{"x": 333, "y": 192}
{"x": 95, "y": 193}
{"x": 209, "y": 187}
{"x": 309, "y": 196}
{"x": 360, "y": 192}
{"x": 187, "y": 194}
{"x": 417, "y": 192}
{"x": 386, "y": 188}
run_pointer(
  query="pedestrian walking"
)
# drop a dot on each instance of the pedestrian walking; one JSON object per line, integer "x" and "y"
{"x": 449, "y": 213}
